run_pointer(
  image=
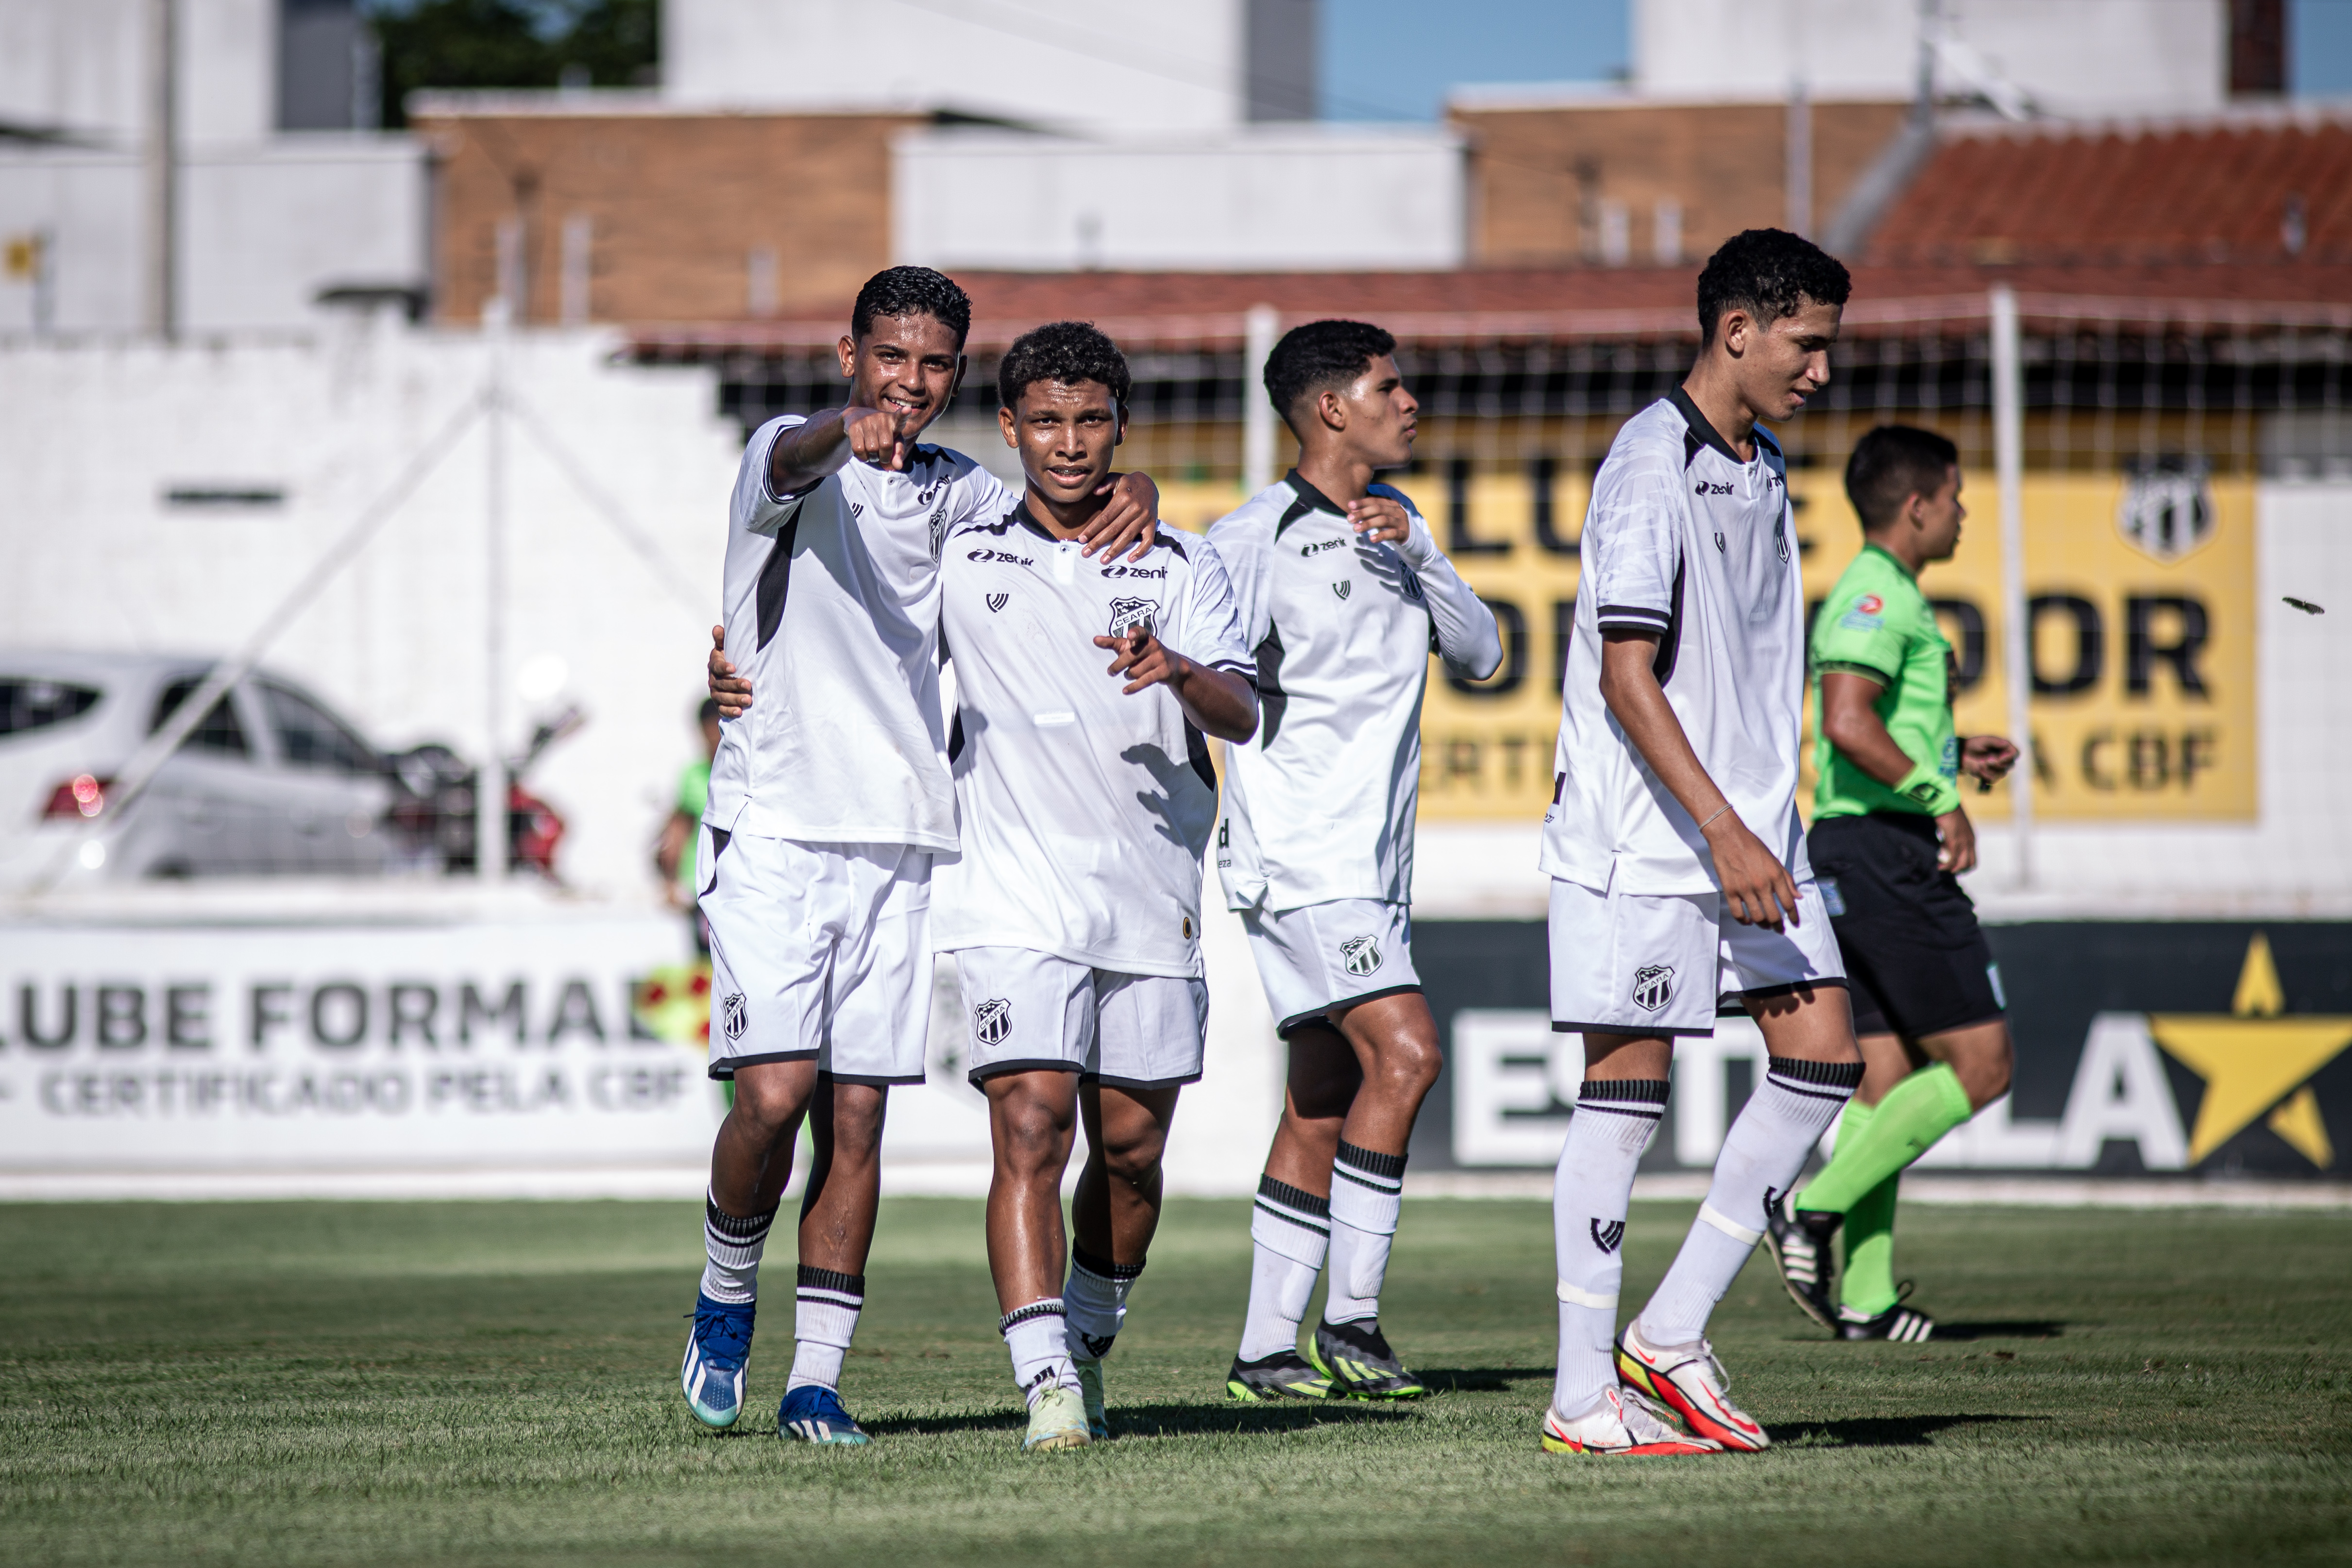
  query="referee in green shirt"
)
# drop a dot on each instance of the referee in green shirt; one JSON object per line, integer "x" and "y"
{"x": 1888, "y": 842}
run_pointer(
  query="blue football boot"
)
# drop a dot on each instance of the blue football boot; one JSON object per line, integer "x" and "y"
{"x": 812, "y": 1414}
{"x": 715, "y": 1354}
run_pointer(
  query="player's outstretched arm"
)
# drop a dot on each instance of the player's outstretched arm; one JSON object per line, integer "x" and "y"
{"x": 1131, "y": 516}
{"x": 1754, "y": 883}
{"x": 1850, "y": 718}
{"x": 1218, "y": 702}
{"x": 802, "y": 457}
{"x": 731, "y": 691}
{"x": 1467, "y": 638}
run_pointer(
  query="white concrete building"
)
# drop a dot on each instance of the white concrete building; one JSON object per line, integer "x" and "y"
{"x": 1116, "y": 66}
{"x": 281, "y": 191}
{"x": 2072, "y": 57}
{"x": 1248, "y": 198}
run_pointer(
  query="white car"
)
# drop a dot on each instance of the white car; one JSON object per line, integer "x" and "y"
{"x": 271, "y": 783}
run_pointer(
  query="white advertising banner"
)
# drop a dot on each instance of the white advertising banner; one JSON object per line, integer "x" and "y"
{"x": 326, "y": 1047}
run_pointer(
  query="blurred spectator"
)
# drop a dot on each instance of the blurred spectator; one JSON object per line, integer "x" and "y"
{"x": 674, "y": 851}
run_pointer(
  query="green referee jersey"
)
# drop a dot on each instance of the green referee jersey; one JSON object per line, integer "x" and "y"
{"x": 1877, "y": 624}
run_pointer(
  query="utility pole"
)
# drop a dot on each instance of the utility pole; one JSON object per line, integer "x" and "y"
{"x": 490, "y": 785}
{"x": 2016, "y": 628}
{"x": 162, "y": 170}
{"x": 1259, "y": 329}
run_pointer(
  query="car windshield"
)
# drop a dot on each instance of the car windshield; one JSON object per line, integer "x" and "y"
{"x": 311, "y": 736}
{"x": 220, "y": 731}
{"x": 29, "y": 703}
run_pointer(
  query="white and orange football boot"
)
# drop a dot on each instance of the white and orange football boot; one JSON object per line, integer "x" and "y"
{"x": 1687, "y": 1380}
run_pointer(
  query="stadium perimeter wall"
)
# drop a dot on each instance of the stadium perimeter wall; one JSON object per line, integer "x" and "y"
{"x": 2132, "y": 927}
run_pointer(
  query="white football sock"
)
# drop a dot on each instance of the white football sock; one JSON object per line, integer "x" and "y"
{"x": 1614, "y": 1121}
{"x": 1094, "y": 1301}
{"x": 1039, "y": 1341}
{"x": 1761, "y": 1158}
{"x": 825, "y": 1320}
{"x": 731, "y": 1245}
{"x": 1291, "y": 1232}
{"x": 1367, "y": 1192}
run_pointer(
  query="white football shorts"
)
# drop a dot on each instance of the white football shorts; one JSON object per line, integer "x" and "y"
{"x": 1028, "y": 1012}
{"x": 818, "y": 953}
{"x": 1634, "y": 962}
{"x": 1319, "y": 957}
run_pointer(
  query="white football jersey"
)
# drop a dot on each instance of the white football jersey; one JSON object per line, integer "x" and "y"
{"x": 1683, "y": 539}
{"x": 1320, "y": 805}
{"x": 1085, "y": 811}
{"x": 832, "y": 610}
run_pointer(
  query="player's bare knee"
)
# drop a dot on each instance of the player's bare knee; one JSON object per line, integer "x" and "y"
{"x": 766, "y": 1109}
{"x": 1410, "y": 1064}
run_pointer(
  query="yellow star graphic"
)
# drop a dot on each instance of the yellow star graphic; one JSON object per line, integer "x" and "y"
{"x": 2255, "y": 1061}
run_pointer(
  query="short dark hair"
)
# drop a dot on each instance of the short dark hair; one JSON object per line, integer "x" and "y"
{"x": 1769, "y": 273}
{"x": 1064, "y": 352}
{"x": 912, "y": 291}
{"x": 708, "y": 712}
{"x": 1319, "y": 356}
{"x": 1892, "y": 463}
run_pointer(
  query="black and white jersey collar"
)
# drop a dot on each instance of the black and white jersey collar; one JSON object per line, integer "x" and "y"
{"x": 1309, "y": 499}
{"x": 1702, "y": 436}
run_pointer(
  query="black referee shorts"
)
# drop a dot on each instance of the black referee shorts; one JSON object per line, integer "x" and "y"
{"x": 1915, "y": 960}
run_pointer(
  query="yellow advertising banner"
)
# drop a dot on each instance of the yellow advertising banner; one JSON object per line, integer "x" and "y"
{"x": 2141, "y": 589}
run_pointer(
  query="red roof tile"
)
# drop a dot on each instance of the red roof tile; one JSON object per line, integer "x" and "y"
{"x": 2184, "y": 192}
{"x": 1207, "y": 309}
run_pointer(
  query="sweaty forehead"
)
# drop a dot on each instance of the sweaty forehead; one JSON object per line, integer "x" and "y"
{"x": 919, "y": 333}
{"x": 1065, "y": 397}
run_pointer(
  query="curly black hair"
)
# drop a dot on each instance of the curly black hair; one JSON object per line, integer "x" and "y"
{"x": 1064, "y": 352}
{"x": 1892, "y": 463}
{"x": 911, "y": 291}
{"x": 1769, "y": 273}
{"x": 1318, "y": 356}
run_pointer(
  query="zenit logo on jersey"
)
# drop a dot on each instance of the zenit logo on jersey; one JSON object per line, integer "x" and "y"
{"x": 1341, "y": 587}
{"x": 998, "y": 600}
{"x": 1608, "y": 1235}
{"x": 992, "y": 1021}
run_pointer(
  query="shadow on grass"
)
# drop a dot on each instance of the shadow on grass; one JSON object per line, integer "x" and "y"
{"x": 2007, "y": 1328}
{"x": 1880, "y": 1431}
{"x": 1480, "y": 1379}
{"x": 1167, "y": 1420}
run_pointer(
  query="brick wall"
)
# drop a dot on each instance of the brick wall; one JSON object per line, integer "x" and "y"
{"x": 687, "y": 218}
{"x": 1543, "y": 179}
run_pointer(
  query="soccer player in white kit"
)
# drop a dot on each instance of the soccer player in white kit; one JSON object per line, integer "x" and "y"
{"x": 1343, "y": 596}
{"x": 828, "y": 802}
{"x": 1680, "y": 882}
{"x": 1086, "y": 799}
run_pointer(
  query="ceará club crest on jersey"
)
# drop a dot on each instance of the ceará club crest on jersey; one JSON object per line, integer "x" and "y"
{"x": 1129, "y": 613}
{"x": 2166, "y": 509}
{"x": 1653, "y": 987}
{"x": 992, "y": 1021}
{"x": 1360, "y": 954}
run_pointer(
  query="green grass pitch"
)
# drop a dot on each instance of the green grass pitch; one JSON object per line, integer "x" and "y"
{"x": 463, "y": 1382}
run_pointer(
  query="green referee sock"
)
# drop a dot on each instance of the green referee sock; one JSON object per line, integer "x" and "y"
{"x": 1867, "y": 1285}
{"x": 1905, "y": 1124}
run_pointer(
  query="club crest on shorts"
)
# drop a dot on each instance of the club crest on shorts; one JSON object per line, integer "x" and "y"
{"x": 733, "y": 1015}
{"x": 1608, "y": 1236}
{"x": 1360, "y": 954}
{"x": 1342, "y": 587}
{"x": 992, "y": 1021}
{"x": 1127, "y": 612}
{"x": 1653, "y": 987}
{"x": 997, "y": 601}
